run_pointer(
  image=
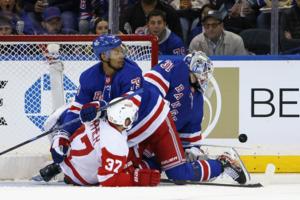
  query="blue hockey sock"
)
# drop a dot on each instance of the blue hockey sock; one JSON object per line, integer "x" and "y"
{"x": 201, "y": 170}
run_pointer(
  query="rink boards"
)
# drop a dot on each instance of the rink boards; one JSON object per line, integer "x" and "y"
{"x": 258, "y": 98}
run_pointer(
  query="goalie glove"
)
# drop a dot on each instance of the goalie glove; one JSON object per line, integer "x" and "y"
{"x": 90, "y": 111}
{"x": 194, "y": 153}
{"x": 60, "y": 146}
{"x": 146, "y": 177}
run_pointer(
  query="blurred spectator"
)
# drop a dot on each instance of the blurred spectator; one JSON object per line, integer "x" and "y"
{"x": 127, "y": 3}
{"x": 135, "y": 17}
{"x": 186, "y": 4}
{"x": 7, "y": 5}
{"x": 6, "y": 27}
{"x": 11, "y": 10}
{"x": 89, "y": 11}
{"x": 169, "y": 42}
{"x": 188, "y": 12}
{"x": 34, "y": 9}
{"x": 215, "y": 40}
{"x": 241, "y": 14}
{"x": 196, "y": 27}
{"x": 290, "y": 22}
{"x": 52, "y": 23}
{"x": 100, "y": 26}
{"x": 264, "y": 18}
{"x": 33, "y": 16}
{"x": 257, "y": 41}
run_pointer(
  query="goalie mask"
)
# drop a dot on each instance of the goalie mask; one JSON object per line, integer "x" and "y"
{"x": 201, "y": 66}
{"x": 122, "y": 112}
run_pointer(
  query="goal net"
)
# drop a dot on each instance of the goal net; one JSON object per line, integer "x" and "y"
{"x": 26, "y": 90}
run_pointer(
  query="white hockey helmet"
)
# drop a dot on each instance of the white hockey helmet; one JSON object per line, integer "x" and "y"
{"x": 201, "y": 66}
{"x": 120, "y": 112}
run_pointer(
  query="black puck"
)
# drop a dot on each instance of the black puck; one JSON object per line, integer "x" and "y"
{"x": 243, "y": 138}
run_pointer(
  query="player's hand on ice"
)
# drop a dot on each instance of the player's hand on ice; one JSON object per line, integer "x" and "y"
{"x": 146, "y": 177}
{"x": 194, "y": 153}
{"x": 60, "y": 146}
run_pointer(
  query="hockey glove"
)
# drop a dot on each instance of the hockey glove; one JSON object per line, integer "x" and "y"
{"x": 60, "y": 147}
{"x": 146, "y": 177}
{"x": 194, "y": 153}
{"x": 90, "y": 111}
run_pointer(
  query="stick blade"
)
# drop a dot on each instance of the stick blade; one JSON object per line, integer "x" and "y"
{"x": 247, "y": 185}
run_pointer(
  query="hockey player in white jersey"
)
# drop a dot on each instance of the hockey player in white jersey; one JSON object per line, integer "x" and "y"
{"x": 98, "y": 151}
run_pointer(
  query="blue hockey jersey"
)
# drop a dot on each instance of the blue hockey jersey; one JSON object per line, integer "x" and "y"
{"x": 171, "y": 44}
{"x": 171, "y": 79}
{"x": 95, "y": 86}
{"x": 153, "y": 110}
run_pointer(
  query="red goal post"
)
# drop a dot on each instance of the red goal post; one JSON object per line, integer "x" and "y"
{"x": 27, "y": 90}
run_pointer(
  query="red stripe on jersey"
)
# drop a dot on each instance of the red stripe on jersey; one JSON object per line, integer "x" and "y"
{"x": 205, "y": 172}
{"x": 135, "y": 101}
{"x": 192, "y": 139}
{"x": 84, "y": 151}
{"x": 80, "y": 130}
{"x": 74, "y": 108}
{"x": 63, "y": 142}
{"x": 158, "y": 80}
{"x": 75, "y": 173}
{"x": 150, "y": 121}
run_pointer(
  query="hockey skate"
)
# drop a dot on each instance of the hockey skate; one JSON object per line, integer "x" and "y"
{"x": 47, "y": 173}
{"x": 234, "y": 167}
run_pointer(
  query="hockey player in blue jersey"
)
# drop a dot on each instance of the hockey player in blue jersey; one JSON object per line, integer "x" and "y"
{"x": 110, "y": 78}
{"x": 182, "y": 83}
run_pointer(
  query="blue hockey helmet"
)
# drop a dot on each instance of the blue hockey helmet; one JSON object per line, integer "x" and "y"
{"x": 105, "y": 43}
{"x": 201, "y": 66}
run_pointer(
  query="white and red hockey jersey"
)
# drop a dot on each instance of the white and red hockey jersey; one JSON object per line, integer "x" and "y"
{"x": 98, "y": 155}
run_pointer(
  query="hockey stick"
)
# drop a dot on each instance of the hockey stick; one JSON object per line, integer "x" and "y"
{"x": 139, "y": 91}
{"x": 249, "y": 185}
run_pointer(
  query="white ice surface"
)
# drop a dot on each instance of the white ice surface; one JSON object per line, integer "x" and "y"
{"x": 278, "y": 187}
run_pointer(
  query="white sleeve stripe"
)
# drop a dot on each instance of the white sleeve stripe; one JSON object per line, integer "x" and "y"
{"x": 158, "y": 80}
{"x": 76, "y": 104}
{"x": 75, "y": 111}
{"x": 163, "y": 92}
{"x": 148, "y": 117}
{"x": 159, "y": 76}
{"x": 137, "y": 97}
{"x": 150, "y": 123}
{"x": 189, "y": 135}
